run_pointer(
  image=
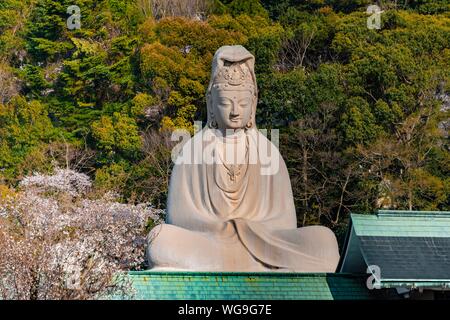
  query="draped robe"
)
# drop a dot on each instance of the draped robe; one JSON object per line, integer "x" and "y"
{"x": 249, "y": 224}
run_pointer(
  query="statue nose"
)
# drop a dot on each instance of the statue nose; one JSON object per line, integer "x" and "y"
{"x": 234, "y": 110}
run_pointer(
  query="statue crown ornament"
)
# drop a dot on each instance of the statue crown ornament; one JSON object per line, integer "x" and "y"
{"x": 234, "y": 76}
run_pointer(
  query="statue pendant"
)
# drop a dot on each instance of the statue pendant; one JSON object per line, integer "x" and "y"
{"x": 233, "y": 172}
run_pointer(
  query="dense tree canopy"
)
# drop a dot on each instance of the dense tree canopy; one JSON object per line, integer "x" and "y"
{"x": 363, "y": 113}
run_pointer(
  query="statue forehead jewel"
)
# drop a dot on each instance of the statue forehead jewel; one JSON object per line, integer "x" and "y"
{"x": 233, "y": 75}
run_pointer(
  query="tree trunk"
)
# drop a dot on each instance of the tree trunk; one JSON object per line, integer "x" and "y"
{"x": 305, "y": 184}
{"x": 410, "y": 199}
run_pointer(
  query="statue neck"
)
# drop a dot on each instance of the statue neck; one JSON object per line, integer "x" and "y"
{"x": 230, "y": 133}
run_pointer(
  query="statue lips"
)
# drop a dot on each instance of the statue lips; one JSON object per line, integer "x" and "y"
{"x": 235, "y": 118}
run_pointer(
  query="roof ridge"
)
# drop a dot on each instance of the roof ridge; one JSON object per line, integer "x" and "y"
{"x": 412, "y": 213}
{"x": 405, "y": 213}
{"x": 229, "y": 273}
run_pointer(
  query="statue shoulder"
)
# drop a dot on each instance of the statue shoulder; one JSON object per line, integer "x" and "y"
{"x": 190, "y": 149}
{"x": 269, "y": 156}
{"x": 262, "y": 140}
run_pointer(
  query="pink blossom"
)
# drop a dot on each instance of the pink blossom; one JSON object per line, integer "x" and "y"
{"x": 56, "y": 243}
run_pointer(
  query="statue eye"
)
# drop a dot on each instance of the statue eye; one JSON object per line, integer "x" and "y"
{"x": 224, "y": 102}
{"x": 244, "y": 102}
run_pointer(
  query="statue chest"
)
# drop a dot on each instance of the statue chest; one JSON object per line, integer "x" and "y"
{"x": 232, "y": 182}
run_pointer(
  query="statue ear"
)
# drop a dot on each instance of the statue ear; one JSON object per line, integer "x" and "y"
{"x": 209, "y": 94}
{"x": 249, "y": 124}
{"x": 254, "y": 105}
{"x": 210, "y": 119}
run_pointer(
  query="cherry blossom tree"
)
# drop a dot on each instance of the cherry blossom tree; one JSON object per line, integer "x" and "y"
{"x": 58, "y": 243}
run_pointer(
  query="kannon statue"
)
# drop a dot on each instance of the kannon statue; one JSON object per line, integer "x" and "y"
{"x": 230, "y": 205}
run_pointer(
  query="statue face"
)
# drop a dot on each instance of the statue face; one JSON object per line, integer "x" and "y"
{"x": 232, "y": 108}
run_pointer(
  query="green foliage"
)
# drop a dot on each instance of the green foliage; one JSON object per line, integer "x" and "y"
{"x": 282, "y": 97}
{"x": 358, "y": 123}
{"x": 248, "y": 7}
{"x": 141, "y": 103}
{"x": 203, "y": 38}
{"x": 430, "y": 6}
{"x": 23, "y": 126}
{"x": 111, "y": 177}
{"x": 118, "y": 133}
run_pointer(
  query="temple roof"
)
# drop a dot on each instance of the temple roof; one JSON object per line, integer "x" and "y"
{"x": 248, "y": 286}
{"x": 410, "y": 249}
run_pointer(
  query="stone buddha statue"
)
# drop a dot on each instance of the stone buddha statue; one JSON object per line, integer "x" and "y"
{"x": 230, "y": 205}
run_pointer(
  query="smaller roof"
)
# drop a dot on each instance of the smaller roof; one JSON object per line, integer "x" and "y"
{"x": 407, "y": 248}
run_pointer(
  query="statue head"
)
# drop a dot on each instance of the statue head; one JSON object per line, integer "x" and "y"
{"x": 232, "y": 91}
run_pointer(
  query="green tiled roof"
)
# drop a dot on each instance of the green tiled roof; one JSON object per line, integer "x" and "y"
{"x": 409, "y": 249}
{"x": 403, "y": 224}
{"x": 237, "y": 286}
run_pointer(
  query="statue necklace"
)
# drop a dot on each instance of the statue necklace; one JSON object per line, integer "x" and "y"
{"x": 235, "y": 170}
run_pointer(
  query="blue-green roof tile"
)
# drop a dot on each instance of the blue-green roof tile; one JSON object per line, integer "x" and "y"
{"x": 250, "y": 286}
